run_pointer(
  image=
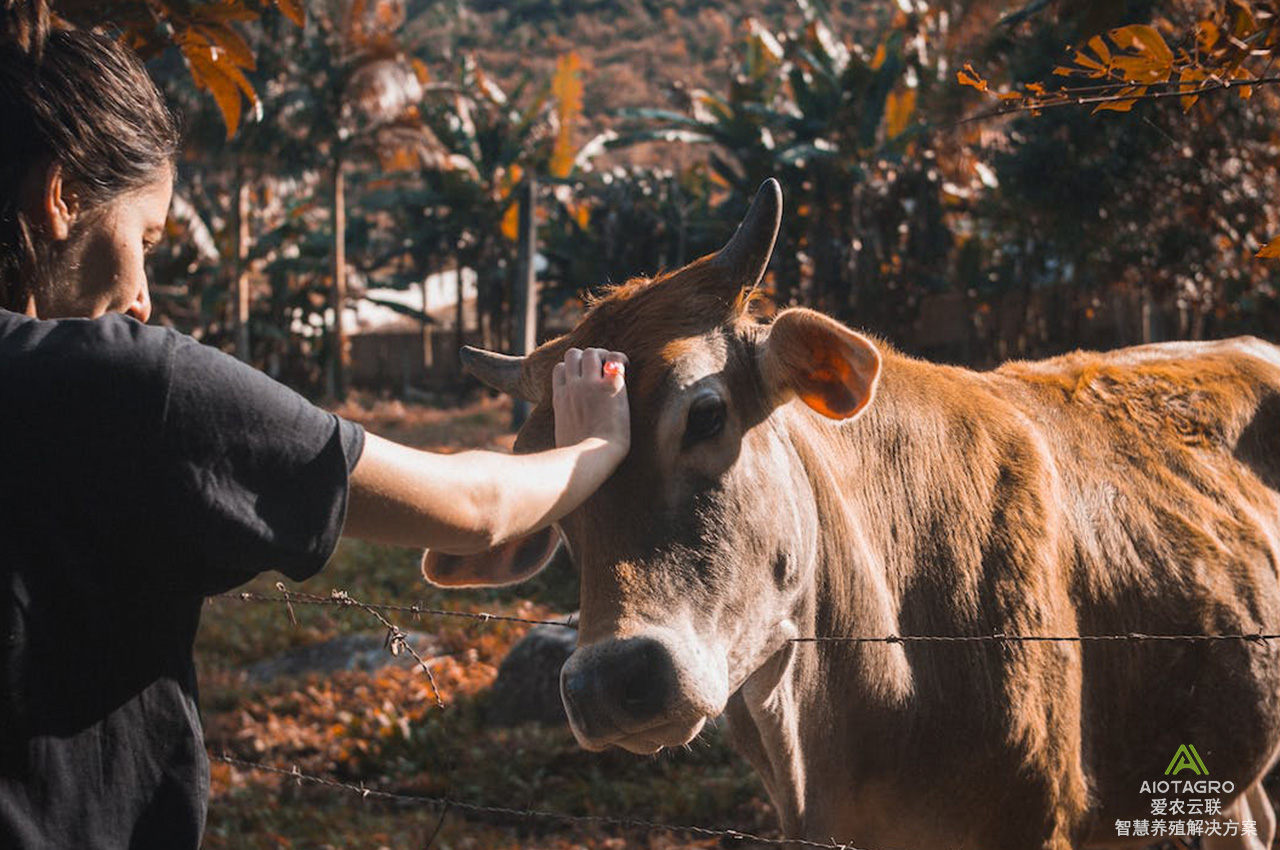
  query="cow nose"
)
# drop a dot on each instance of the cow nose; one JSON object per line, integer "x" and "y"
{"x": 618, "y": 686}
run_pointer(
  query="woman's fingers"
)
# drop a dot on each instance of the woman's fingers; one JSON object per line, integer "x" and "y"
{"x": 579, "y": 364}
{"x": 590, "y": 398}
{"x": 591, "y": 362}
{"x": 573, "y": 362}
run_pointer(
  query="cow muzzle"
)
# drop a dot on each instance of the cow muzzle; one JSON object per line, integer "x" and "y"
{"x": 641, "y": 693}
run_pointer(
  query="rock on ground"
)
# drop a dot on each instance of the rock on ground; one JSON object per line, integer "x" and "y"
{"x": 365, "y": 651}
{"x": 527, "y": 689}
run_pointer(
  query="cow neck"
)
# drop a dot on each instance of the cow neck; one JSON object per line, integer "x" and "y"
{"x": 783, "y": 719}
{"x": 853, "y": 591}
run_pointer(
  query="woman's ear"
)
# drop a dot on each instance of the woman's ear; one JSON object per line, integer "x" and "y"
{"x": 58, "y": 206}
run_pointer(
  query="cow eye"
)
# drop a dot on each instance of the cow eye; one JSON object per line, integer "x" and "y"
{"x": 706, "y": 420}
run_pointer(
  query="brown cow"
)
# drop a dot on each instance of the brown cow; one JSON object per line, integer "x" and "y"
{"x": 795, "y": 478}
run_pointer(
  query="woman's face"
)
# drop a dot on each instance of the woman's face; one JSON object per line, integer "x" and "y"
{"x": 101, "y": 268}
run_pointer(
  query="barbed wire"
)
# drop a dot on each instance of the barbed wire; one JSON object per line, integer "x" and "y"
{"x": 340, "y": 598}
{"x": 999, "y": 637}
{"x": 397, "y": 641}
{"x": 453, "y": 804}
{"x": 294, "y": 597}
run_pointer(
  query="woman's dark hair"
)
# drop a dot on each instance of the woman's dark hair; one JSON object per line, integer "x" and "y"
{"x": 81, "y": 100}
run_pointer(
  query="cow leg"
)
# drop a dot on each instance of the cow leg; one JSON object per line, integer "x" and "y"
{"x": 1263, "y": 812}
{"x": 1251, "y": 805}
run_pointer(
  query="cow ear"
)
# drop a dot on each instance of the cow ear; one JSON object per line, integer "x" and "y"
{"x": 506, "y": 564}
{"x": 831, "y": 368}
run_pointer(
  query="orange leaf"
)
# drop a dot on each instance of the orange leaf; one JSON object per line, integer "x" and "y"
{"x": 208, "y": 76}
{"x": 1154, "y": 59}
{"x": 881, "y": 54}
{"x": 966, "y": 76}
{"x": 293, "y": 10}
{"x": 420, "y": 70}
{"x": 1270, "y": 250}
{"x": 224, "y": 38}
{"x": 216, "y": 72}
{"x": 566, "y": 87}
{"x": 1099, "y": 47}
{"x": 898, "y": 109}
{"x": 1084, "y": 60}
{"x": 1147, "y": 39}
{"x": 1206, "y": 36}
{"x": 1122, "y": 103}
{"x": 580, "y": 213}
{"x": 1191, "y": 80}
{"x": 511, "y": 223}
{"x": 1246, "y": 92}
{"x": 1140, "y": 69}
{"x": 398, "y": 159}
{"x": 507, "y": 180}
{"x": 1243, "y": 23}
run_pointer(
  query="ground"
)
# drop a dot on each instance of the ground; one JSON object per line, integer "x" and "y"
{"x": 385, "y": 730}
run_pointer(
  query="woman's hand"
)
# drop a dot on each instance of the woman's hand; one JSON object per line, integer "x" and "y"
{"x": 472, "y": 501}
{"x": 589, "y": 403}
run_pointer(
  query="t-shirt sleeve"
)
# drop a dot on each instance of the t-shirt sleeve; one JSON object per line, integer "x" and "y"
{"x": 257, "y": 476}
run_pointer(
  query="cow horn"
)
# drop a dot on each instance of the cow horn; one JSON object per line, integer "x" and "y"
{"x": 746, "y": 256}
{"x": 503, "y": 372}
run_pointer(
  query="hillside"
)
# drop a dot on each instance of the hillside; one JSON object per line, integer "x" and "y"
{"x": 636, "y": 52}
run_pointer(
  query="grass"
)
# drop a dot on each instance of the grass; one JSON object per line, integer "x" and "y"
{"x": 384, "y": 729}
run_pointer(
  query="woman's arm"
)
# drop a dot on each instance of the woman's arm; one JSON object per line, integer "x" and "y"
{"x": 472, "y": 501}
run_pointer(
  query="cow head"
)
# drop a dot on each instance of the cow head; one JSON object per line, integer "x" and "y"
{"x": 696, "y": 554}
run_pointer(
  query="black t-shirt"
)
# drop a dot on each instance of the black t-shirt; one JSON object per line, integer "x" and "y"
{"x": 139, "y": 471}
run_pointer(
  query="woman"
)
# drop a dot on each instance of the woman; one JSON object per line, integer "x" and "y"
{"x": 142, "y": 471}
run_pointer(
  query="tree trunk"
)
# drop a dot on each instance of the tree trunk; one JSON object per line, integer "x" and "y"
{"x": 524, "y": 306}
{"x": 428, "y": 352}
{"x": 1147, "y": 315}
{"x": 340, "y": 356}
{"x": 458, "y": 315}
{"x": 242, "y": 271}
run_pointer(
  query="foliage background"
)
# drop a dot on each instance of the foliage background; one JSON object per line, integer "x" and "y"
{"x": 911, "y": 212}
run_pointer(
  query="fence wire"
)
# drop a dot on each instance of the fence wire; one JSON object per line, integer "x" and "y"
{"x": 1000, "y": 637}
{"x": 452, "y": 804}
{"x": 340, "y": 598}
{"x": 397, "y": 641}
